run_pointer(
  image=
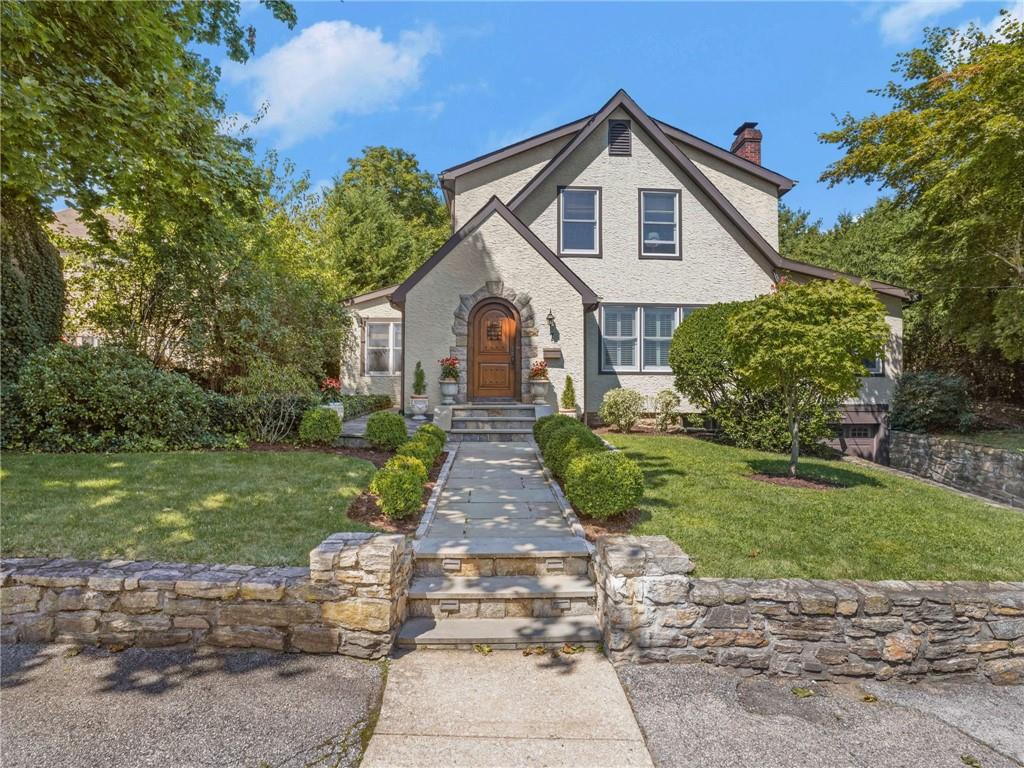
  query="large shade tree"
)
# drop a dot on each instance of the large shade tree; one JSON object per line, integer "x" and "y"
{"x": 951, "y": 150}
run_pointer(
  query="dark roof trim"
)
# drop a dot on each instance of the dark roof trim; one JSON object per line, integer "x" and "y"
{"x": 513, "y": 149}
{"x": 762, "y": 246}
{"x": 448, "y": 175}
{"x": 784, "y": 183}
{"x": 831, "y": 274}
{"x": 380, "y": 293}
{"x": 495, "y": 206}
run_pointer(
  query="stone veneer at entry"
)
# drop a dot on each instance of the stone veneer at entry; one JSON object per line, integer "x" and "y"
{"x": 651, "y": 609}
{"x": 350, "y": 601}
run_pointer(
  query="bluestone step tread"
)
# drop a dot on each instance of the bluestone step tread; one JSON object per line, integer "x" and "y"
{"x": 509, "y": 431}
{"x": 525, "y": 630}
{"x": 525, "y": 546}
{"x": 498, "y": 587}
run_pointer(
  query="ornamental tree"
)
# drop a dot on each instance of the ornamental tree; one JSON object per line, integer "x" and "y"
{"x": 808, "y": 343}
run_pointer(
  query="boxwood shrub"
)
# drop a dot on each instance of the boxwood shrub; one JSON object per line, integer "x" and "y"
{"x": 602, "y": 484}
{"x": 358, "y": 405}
{"x": 432, "y": 429}
{"x": 621, "y": 408}
{"x": 565, "y": 442}
{"x": 423, "y": 448}
{"x": 399, "y": 486}
{"x": 386, "y": 430}
{"x": 546, "y": 424}
{"x": 319, "y": 426}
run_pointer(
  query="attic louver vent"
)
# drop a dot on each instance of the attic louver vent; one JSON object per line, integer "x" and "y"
{"x": 620, "y": 140}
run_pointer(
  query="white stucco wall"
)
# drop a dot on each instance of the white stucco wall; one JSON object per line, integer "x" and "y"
{"x": 504, "y": 179}
{"x": 878, "y": 390}
{"x": 353, "y": 380}
{"x": 495, "y": 251}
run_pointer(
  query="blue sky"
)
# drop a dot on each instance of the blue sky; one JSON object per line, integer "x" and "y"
{"x": 449, "y": 81}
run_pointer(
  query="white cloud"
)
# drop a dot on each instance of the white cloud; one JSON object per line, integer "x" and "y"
{"x": 904, "y": 21}
{"x": 330, "y": 69}
{"x": 432, "y": 110}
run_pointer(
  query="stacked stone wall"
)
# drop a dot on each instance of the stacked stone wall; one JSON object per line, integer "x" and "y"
{"x": 651, "y": 609}
{"x": 990, "y": 472}
{"x": 350, "y": 601}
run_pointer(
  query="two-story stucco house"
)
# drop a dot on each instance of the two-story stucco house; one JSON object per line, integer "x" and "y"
{"x": 586, "y": 246}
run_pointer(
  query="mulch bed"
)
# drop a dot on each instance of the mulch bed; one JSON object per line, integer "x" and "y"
{"x": 364, "y": 508}
{"x": 795, "y": 482}
{"x": 616, "y": 525}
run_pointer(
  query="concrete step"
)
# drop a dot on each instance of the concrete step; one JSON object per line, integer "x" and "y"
{"x": 496, "y": 410}
{"x": 499, "y": 634}
{"x": 511, "y": 547}
{"x": 490, "y": 435}
{"x": 500, "y": 587}
{"x": 489, "y": 565}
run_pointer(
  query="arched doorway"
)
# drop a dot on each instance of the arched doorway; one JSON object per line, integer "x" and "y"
{"x": 493, "y": 352}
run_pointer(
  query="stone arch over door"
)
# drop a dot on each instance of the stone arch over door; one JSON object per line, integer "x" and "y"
{"x": 527, "y": 335}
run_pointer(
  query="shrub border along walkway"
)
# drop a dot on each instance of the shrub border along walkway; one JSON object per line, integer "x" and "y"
{"x": 349, "y": 601}
{"x": 650, "y": 609}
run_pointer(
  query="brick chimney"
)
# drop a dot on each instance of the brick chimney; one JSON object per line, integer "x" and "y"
{"x": 747, "y": 143}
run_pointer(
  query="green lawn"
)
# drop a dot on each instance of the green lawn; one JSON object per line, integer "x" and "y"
{"x": 880, "y": 526}
{"x": 1007, "y": 439}
{"x": 235, "y": 507}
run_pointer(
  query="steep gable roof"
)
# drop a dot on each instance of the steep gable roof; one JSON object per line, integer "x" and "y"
{"x": 623, "y": 100}
{"x": 495, "y": 206}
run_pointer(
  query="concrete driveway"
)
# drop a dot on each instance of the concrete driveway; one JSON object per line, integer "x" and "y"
{"x": 182, "y": 709}
{"x": 701, "y": 717}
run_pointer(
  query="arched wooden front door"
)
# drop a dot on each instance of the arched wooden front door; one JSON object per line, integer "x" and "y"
{"x": 493, "y": 351}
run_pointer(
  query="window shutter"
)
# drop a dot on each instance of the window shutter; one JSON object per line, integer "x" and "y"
{"x": 620, "y": 139}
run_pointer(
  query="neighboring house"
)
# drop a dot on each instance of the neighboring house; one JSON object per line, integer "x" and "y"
{"x": 67, "y": 222}
{"x": 586, "y": 245}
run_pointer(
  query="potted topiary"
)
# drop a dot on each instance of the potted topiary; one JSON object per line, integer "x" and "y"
{"x": 419, "y": 393}
{"x": 539, "y": 382}
{"x": 568, "y": 401}
{"x": 449, "y": 379}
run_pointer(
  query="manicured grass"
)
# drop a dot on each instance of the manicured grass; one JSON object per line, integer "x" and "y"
{"x": 254, "y": 508}
{"x": 1008, "y": 440}
{"x": 879, "y": 526}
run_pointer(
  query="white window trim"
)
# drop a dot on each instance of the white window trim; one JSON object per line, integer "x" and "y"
{"x": 677, "y": 311}
{"x": 596, "y": 251}
{"x": 636, "y": 340}
{"x": 392, "y": 348}
{"x": 675, "y": 216}
{"x": 878, "y": 369}
{"x": 638, "y": 309}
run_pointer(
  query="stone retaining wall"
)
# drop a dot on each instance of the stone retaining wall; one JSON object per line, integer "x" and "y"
{"x": 990, "y": 472}
{"x": 350, "y": 601}
{"x": 651, "y": 609}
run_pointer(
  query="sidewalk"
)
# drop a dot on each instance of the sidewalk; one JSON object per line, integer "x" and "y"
{"x": 460, "y": 708}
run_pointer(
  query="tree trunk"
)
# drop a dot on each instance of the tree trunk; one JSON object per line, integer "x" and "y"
{"x": 794, "y": 448}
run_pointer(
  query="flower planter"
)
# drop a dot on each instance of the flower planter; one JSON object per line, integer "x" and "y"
{"x": 539, "y": 390}
{"x": 338, "y": 407}
{"x": 419, "y": 405}
{"x": 449, "y": 389}
{"x": 570, "y": 412}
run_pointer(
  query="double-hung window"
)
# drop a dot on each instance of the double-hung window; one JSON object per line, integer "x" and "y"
{"x": 636, "y": 338}
{"x": 579, "y": 227}
{"x": 659, "y": 224}
{"x": 383, "y": 348}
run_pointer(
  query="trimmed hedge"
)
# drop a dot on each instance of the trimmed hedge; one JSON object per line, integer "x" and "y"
{"x": 567, "y": 441}
{"x": 358, "y": 405}
{"x": 399, "y": 486}
{"x": 602, "y": 484}
{"x": 320, "y": 426}
{"x": 545, "y": 425}
{"x": 386, "y": 430}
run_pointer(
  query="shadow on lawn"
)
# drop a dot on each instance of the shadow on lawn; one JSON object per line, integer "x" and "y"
{"x": 658, "y": 471}
{"x": 835, "y": 475}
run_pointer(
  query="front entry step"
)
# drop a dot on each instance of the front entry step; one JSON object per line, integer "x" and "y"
{"x": 499, "y": 634}
{"x": 492, "y": 422}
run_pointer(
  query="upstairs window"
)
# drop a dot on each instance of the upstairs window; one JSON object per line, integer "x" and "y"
{"x": 579, "y": 225}
{"x": 383, "y": 348}
{"x": 659, "y": 224}
{"x": 620, "y": 138}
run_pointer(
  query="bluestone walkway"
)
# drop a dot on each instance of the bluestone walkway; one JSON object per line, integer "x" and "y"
{"x": 496, "y": 491}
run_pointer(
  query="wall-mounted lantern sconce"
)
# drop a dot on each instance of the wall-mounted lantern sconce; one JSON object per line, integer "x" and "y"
{"x": 550, "y": 318}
